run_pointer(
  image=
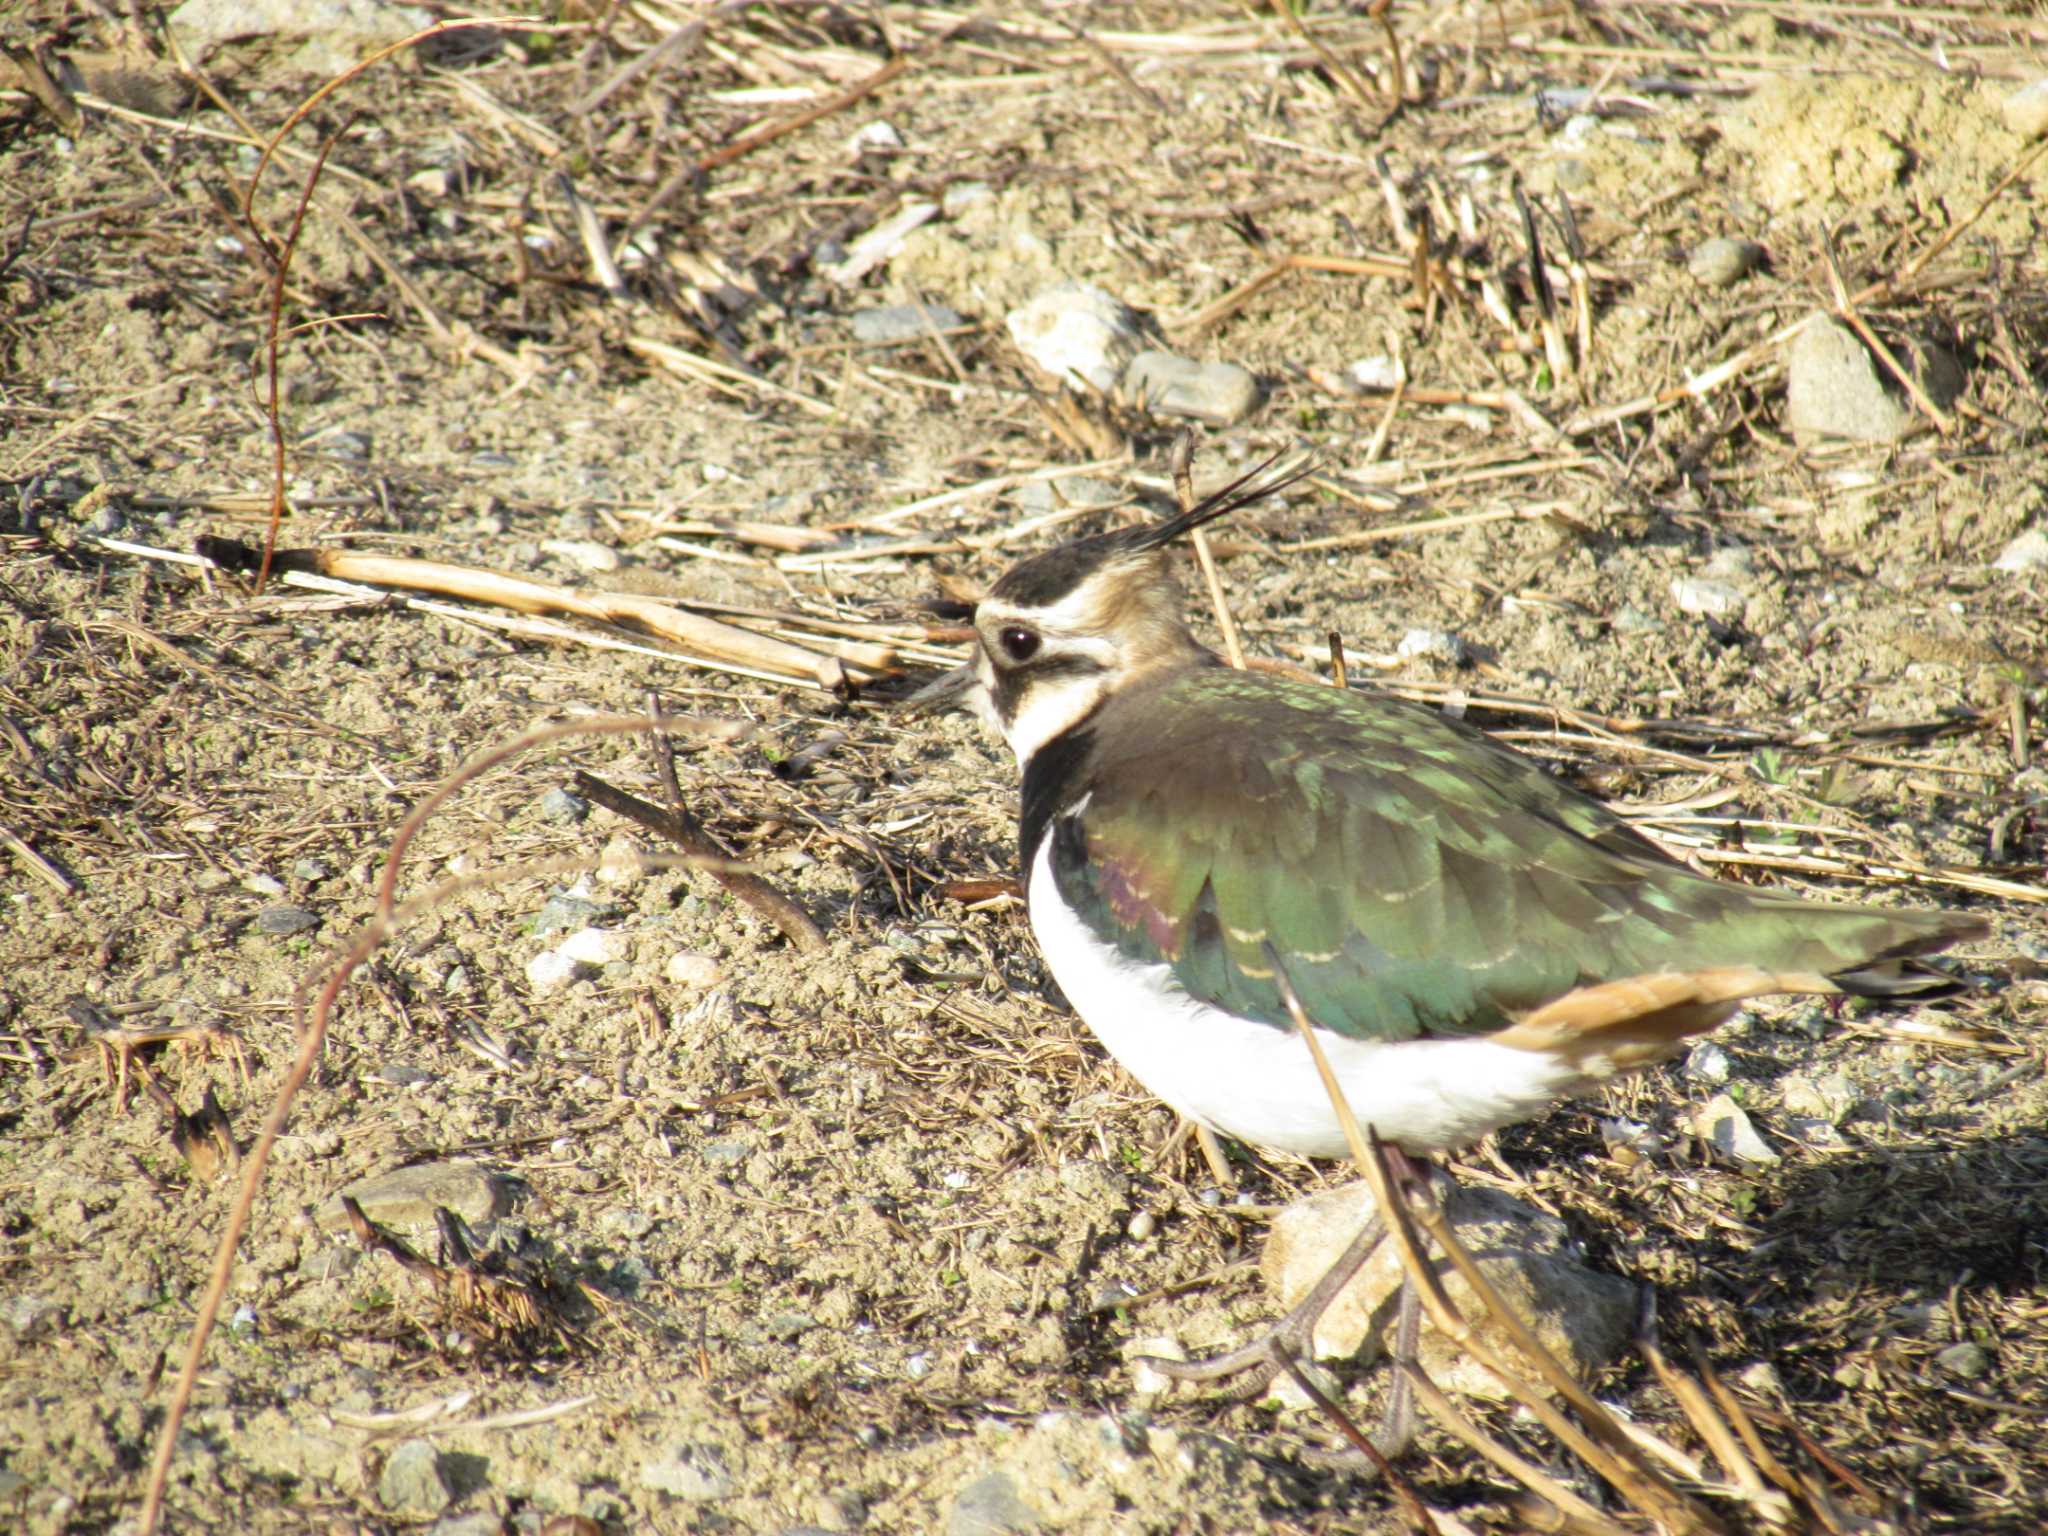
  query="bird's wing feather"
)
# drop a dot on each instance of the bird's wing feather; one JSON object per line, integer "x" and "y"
{"x": 1418, "y": 878}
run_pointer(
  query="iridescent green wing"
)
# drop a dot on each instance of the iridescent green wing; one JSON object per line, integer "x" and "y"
{"x": 1415, "y": 877}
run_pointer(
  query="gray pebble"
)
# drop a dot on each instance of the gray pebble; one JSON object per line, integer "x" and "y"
{"x": 902, "y": 322}
{"x": 695, "y": 1473}
{"x": 1722, "y": 263}
{"x": 1631, "y": 620}
{"x": 399, "y": 1074}
{"x": 1834, "y": 387}
{"x": 563, "y": 911}
{"x": 284, "y": 919}
{"x": 563, "y": 808}
{"x": 311, "y": 871}
{"x": 1221, "y": 394}
{"x": 413, "y": 1481}
{"x": 1968, "y": 1361}
{"x": 1701, "y": 595}
{"x": 628, "y": 1223}
{"x": 1709, "y": 1063}
{"x": 408, "y": 1197}
{"x": 107, "y": 523}
{"x": 991, "y": 1506}
{"x": 726, "y": 1153}
{"x": 262, "y": 885}
{"x": 32, "y": 1317}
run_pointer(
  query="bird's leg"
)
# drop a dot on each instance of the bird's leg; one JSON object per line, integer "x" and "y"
{"x": 1258, "y": 1362}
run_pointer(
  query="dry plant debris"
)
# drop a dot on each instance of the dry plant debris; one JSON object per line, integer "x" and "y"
{"x": 571, "y": 301}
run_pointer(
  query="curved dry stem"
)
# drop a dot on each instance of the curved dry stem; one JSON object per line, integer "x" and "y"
{"x": 336, "y": 967}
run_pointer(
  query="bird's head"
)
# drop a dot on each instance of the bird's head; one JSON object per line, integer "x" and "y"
{"x": 1059, "y": 632}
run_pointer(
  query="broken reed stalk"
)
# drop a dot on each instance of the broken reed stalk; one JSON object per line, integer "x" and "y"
{"x": 334, "y": 970}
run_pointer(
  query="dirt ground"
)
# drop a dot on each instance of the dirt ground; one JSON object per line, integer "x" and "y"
{"x": 860, "y": 1239}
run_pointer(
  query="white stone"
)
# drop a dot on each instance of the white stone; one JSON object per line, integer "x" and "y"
{"x": 1705, "y": 596}
{"x": 584, "y": 554}
{"x": 1722, "y": 1124}
{"x": 2026, "y": 110}
{"x": 688, "y": 969}
{"x": 595, "y": 946}
{"x": 550, "y": 971}
{"x": 1077, "y": 333}
{"x": 2028, "y": 552}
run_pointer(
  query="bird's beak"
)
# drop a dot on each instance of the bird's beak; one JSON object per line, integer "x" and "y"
{"x": 946, "y": 691}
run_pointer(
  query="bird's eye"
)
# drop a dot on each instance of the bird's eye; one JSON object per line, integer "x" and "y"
{"x": 1019, "y": 643}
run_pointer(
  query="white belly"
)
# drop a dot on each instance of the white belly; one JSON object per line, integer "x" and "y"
{"x": 1259, "y": 1083}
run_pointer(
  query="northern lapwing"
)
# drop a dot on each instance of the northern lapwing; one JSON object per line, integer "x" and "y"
{"x": 1473, "y": 939}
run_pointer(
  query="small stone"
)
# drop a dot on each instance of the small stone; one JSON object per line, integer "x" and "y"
{"x": 619, "y": 865}
{"x": 408, "y": 1197}
{"x": 694, "y": 1473}
{"x": 2026, "y": 110}
{"x": 1076, "y": 332}
{"x": 262, "y": 885}
{"x": 1582, "y": 1316}
{"x": 1835, "y": 388}
{"x": 584, "y": 554}
{"x": 413, "y": 1481}
{"x": 963, "y": 195}
{"x": 1142, "y": 1226}
{"x": 1708, "y": 1063}
{"x": 563, "y": 808}
{"x": 2028, "y": 552}
{"x": 688, "y": 969}
{"x": 875, "y": 136}
{"x": 571, "y": 910}
{"x": 1435, "y": 644}
{"x": 1378, "y": 372}
{"x": 1731, "y": 562}
{"x": 311, "y": 871}
{"x": 991, "y": 1506}
{"x": 1830, "y": 1097}
{"x": 107, "y": 522}
{"x": 1221, "y": 394}
{"x": 596, "y": 947}
{"x": 627, "y": 1223}
{"x": 1704, "y": 597}
{"x": 1968, "y": 1361}
{"x": 1630, "y": 620}
{"x": 1722, "y": 1124}
{"x": 902, "y": 322}
{"x": 32, "y": 1317}
{"x": 726, "y": 1153}
{"x": 401, "y": 1074}
{"x": 352, "y": 446}
{"x": 284, "y": 919}
{"x": 550, "y": 971}
{"x": 1147, "y": 1380}
{"x": 1722, "y": 263}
